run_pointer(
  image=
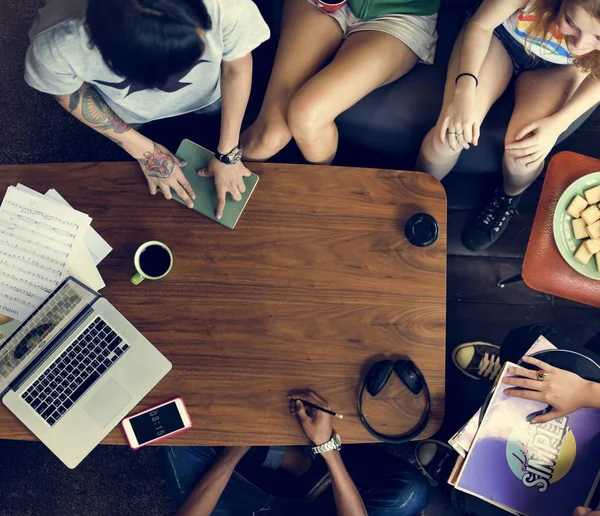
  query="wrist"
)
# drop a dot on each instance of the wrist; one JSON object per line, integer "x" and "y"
{"x": 592, "y": 395}
{"x": 135, "y": 144}
{"x": 227, "y": 145}
{"x": 465, "y": 87}
{"x": 332, "y": 459}
{"x": 562, "y": 120}
{"x": 321, "y": 440}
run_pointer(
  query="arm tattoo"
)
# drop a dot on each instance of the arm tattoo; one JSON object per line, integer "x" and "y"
{"x": 114, "y": 140}
{"x": 95, "y": 110}
{"x": 73, "y": 101}
{"x": 158, "y": 162}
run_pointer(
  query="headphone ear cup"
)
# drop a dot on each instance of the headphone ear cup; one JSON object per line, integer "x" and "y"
{"x": 410, "y": 375}
{"x": 378, "y": 376}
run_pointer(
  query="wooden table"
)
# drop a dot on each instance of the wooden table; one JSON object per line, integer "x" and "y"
{"x": 316, "y": 281}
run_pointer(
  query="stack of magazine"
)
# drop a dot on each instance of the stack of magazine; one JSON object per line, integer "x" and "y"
{"x": 523, "y": 468}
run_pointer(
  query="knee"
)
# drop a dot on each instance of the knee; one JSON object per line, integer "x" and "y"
{"x": 405, "y": 493}
{"x": 305, "y": 118}
{"x": 511, "y": 163}
{"x": 270, "y": 135}
{"x": 434, "y": 146}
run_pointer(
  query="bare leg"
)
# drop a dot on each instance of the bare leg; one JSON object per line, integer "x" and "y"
{"x": 308, "y": 39}
{"x": 438, "y": 159}
{"x": 366, "y": 61}
{"x": 557, "y": 84}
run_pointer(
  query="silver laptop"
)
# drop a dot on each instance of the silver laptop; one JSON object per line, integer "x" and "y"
{"x": 74, "y": 368}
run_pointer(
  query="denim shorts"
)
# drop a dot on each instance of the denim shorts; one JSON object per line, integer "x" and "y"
{"x": 521, "y": 59}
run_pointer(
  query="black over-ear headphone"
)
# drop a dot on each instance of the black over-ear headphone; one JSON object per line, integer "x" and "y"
{"x": 411, "y": 376}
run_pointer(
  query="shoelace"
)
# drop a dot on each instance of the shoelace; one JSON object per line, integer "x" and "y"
{"x": 489, "y": 366}
{"x": 497, "y": 211}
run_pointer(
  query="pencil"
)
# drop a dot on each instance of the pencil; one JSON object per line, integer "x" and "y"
{"x": 322, "y": 409}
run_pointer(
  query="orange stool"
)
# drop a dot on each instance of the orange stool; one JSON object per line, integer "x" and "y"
{"x": 544, "y": 269}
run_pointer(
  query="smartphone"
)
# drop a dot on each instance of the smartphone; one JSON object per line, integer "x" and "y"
{"x": 156, "y": 423}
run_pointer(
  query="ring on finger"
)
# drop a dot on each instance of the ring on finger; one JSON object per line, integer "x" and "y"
{"x": 541, "y": 375}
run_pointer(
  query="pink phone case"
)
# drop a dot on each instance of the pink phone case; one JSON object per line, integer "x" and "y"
{"x": 154, "y": 441}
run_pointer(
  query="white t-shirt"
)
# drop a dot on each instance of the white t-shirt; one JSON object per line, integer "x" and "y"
{"x": 552, "y": 47}
{"x": 59, "y": 60}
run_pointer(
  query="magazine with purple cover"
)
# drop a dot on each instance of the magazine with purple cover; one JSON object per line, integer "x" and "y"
{"x": 537, "y": 470}
{"x": 462, "y": 440}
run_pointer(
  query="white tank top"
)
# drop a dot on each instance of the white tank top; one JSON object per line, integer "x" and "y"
{"x": 552, "y": 47}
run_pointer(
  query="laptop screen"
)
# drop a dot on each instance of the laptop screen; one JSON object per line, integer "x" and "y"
{"x": 53, "y": 316}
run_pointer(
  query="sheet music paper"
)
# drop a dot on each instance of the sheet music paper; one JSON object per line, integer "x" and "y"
{"x": 37, "y": 236}
{"x": 96, "y": 245}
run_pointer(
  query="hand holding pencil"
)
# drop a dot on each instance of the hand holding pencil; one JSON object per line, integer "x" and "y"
{"x": 314, "y": 414}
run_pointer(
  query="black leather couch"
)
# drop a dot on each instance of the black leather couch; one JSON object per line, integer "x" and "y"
{"x": 394, "y": 119}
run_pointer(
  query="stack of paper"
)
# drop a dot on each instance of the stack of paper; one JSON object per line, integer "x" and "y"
{"x": 43, "y": 240}
{"x": 523, "y": 468}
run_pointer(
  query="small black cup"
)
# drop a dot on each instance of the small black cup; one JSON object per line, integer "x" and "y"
{"x": 422, "y": 230}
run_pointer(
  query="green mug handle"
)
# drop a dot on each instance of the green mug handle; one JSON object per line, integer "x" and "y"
{"x": 137, "y": 279}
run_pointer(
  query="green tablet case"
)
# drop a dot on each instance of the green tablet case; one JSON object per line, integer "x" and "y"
{"x": 198, "y": 157}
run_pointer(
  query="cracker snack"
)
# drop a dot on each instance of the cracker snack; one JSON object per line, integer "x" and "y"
{"x": 582, "y": 255}
{"x": 578, "y": 204}
{"x": 592, "y": 195}
{"x": 593, "y": 231}
{"x": 580, "y": 229}
{"x": 591, "y": 214}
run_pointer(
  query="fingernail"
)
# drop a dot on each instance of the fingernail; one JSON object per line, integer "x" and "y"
{"x": 298, "y": 403}
{"x": 183, "y": 163}
{"x": 511, "y": 370}
{"x": 534, "y": 421}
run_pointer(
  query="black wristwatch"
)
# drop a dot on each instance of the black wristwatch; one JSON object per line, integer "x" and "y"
{"x": 232, "y": 157}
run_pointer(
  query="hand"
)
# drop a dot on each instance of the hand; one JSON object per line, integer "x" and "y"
{"x": 228, "y": 179}
{"x": 460, "y": 127}
{"x": 534, "y": 142}
{"x": 316, "y": 424}
{"x": 564, "y": 391}
{"x": 162, "y": 171}
{"x": 580, "y": 511}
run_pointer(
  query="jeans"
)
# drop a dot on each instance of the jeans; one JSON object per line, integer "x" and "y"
{"x": 389, "y": 486}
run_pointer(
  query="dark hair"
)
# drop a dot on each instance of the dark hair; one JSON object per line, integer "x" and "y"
{"x": 147, "y": 41}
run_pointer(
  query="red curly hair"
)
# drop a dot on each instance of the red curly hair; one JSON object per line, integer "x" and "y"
{"x": 546, "y": 13}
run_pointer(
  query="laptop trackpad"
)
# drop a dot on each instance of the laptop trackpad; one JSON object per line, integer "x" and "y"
{"x": 107, "y": 403}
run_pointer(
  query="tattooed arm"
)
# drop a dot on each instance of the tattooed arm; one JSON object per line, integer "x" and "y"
{"x": 161, "y": 169}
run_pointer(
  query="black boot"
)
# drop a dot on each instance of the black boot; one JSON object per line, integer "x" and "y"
{"x": 486, "y": 228}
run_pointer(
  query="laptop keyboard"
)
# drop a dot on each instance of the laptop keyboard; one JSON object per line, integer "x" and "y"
{"x": 77, "y": 368}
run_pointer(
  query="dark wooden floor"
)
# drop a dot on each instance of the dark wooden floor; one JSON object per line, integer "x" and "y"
{"x": 478, "y": 309}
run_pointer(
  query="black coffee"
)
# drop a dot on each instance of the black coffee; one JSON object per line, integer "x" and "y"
{"x": 155, "y": 261}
